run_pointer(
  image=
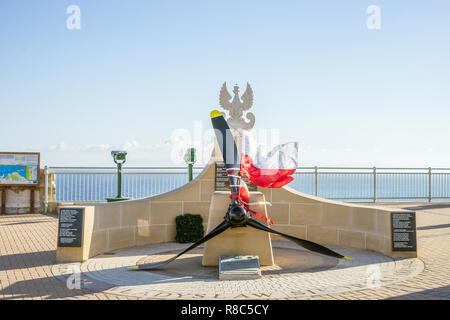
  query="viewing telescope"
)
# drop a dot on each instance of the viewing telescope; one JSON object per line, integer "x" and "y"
{"x": 119, "y": 158}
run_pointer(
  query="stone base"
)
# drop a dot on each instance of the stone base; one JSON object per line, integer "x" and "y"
{"x": 117, "y": 199}
{"x": 237, "y": 241}
{"x": 239, "y": 268}
{"x": 79, "y": 254}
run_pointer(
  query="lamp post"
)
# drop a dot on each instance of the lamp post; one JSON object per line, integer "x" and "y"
{"x": 190, "y": 158}
{"x": 119, "y": 158}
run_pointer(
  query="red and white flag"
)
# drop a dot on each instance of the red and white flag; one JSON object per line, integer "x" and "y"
{"x": 244, "y": 199}
{"x": 271, "y": 169}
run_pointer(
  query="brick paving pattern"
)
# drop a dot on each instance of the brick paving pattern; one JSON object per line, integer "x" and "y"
{"x": 28, "y": 244}
{"x": 186, "y": 279}
{"x": 27, "y": 253}
{"x": 433, "y": 283}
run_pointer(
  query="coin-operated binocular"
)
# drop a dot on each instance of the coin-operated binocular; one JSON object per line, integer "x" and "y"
{"x": 190, "y": 158}
{"x": 119, "y": 158}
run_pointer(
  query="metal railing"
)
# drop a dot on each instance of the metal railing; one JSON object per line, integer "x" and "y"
{"x": 95, "y": 184}
{"x": 374, "y": 184}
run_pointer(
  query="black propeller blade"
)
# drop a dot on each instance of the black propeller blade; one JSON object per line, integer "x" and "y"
{"x": 229, "y": 151}
{"x": 311, "y": 246}
{"x": 151, "y": 266}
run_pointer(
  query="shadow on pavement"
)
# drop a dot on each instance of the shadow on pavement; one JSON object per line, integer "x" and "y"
{"x": 441, "y": 293}
{"x": 438, "y": 226}
{"x": 45, "y": 288}
{"x": 27, "y": 260}
{"x": 428, "y": 207}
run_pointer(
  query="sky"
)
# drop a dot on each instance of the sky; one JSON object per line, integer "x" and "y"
{"x": 136, "y": 74}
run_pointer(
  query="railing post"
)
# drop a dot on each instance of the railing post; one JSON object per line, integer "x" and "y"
{"x": 45, "y": 189}
{"x": 429, "y": 184}
{"x": 374, "y": 184}
{"x": 315, "y": 180}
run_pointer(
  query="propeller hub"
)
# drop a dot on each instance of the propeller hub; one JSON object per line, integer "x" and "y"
{"x": 237, "y": 215}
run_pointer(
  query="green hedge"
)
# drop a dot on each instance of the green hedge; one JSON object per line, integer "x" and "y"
{"x": 189, "y": 228}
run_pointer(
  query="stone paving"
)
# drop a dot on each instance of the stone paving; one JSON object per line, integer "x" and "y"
{"x": 109, "y": 273}
{"x": 28, "y": 270}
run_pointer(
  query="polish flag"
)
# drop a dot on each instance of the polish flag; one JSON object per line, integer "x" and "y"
{"x": 244, "y": 199}
{"x": 271, "y": 169}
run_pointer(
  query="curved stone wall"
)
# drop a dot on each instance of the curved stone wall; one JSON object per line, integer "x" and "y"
{"x": 152, "y": 220}
{"x": 332, "y": 222}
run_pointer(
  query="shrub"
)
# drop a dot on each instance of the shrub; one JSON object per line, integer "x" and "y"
{"x": 189, "y": 228}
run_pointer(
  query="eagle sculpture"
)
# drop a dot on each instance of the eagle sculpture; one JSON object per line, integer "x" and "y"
{"x": 237, "y": 106}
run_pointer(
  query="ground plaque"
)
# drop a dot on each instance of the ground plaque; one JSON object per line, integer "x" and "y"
{"x": 70, "y": 228}
{"x": 222, "y": 182}
{"x": 239, "y": 267}
{"x": 403, "y": 231}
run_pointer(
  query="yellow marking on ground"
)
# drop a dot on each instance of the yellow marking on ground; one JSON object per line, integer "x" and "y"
{"x": 347, "y": 258}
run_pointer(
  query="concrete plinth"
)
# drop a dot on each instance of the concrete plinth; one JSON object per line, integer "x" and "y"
{"x": 237, "y": 241}
{"x": 81, "y": 253}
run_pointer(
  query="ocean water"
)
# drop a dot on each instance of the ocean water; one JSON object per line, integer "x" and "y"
{"x": 357, "y": 186}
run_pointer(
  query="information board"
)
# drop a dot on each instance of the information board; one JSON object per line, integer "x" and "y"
{"x": 404, "y": 231}
{"x": 70, "y": 227}
{"x": 222, "y": 182}
{"x": 21, "y": 168}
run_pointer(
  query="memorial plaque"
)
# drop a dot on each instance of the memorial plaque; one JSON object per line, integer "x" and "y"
{"x": 222, "y": 183}
{"x": 239, "y": 267}
{"x": 70, "y": 227}
{"x": 403, "y": 231}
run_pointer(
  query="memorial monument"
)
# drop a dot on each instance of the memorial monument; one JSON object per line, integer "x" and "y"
{"x": 239, "y": 215}
{"x": 242, "y": 225}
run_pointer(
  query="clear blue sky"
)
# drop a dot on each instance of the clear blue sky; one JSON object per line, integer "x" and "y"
{"x": 138, "y": 70}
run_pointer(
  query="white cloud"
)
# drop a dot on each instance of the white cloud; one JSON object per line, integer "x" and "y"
{"x": 131, "y": 146}
{"x": 95, "y": 148}
{"x": 61, "y": 146}
{"x": 134, "y": 145}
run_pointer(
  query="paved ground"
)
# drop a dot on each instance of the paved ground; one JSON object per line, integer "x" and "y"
{"x": 27, "y": 253}
{"x": 187, "y": 279}
{"x": 28, "y": 243}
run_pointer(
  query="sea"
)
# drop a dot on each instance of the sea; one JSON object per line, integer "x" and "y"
{"x": 358, "y": 186}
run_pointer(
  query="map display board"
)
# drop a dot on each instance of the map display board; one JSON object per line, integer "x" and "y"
{"x": 19, "y": 168}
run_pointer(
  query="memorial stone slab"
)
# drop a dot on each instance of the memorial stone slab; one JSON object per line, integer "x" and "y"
{"x": 404, "y": 231}
{"x": 222, "y": 182}
{"x": 239, "y": 268}
{"x": 70, "y": 227}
